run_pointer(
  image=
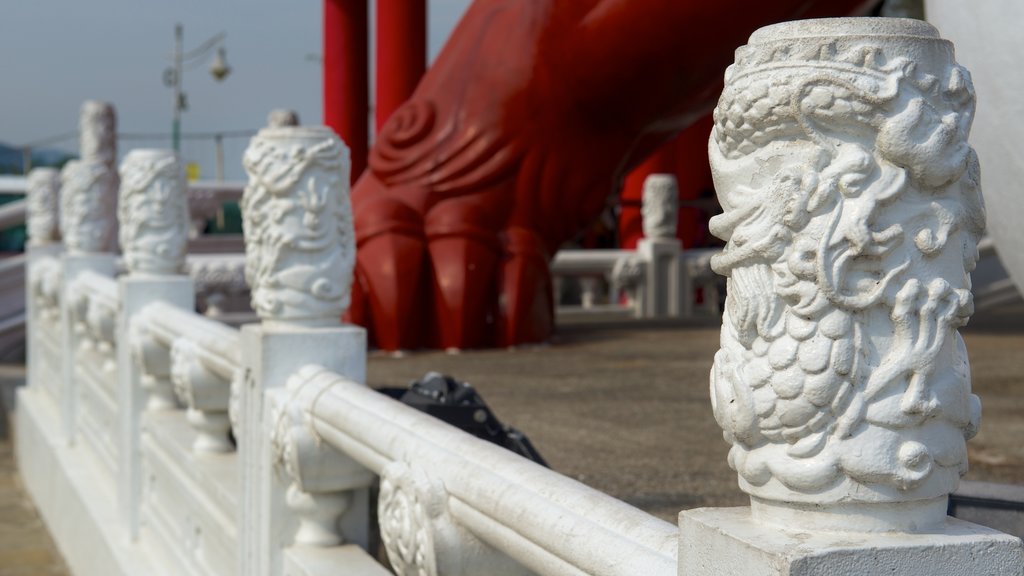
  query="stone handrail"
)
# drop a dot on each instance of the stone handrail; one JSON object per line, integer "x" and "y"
{"x": 549, "y": 523}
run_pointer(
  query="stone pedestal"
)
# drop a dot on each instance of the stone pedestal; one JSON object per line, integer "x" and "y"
{"x": 272, "y": 355}
{"x": 663, "y": 287}
{"x": 729, "y": 542}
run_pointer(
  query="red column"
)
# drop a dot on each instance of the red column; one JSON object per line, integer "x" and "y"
{"x": 346, "y": 76}
{"x": 401, "y": 53}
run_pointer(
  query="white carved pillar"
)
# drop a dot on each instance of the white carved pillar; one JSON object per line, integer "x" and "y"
{"x": 154, "y": 222}
{"x": 852, "y": 212}
{"x": 300, "y": 253}
{"x": 659, "y": 248}
{"x": 88, "y": 199}
{"x": 282, "y": 118}
{"x": 42, "y": 197}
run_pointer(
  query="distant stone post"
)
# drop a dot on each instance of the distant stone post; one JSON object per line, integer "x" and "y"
{"x": 659, "y": 248}
{"x": 42, "y": 196}
{"x": 852, "y": 213}
{"x": 300, "y": 254}
{"x": 88, "y": 201}
{"x": 154, "y": 222}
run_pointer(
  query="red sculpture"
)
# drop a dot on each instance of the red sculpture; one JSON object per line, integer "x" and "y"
{"x": 513, "y": 142}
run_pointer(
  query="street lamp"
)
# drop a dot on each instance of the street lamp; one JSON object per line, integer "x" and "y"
{"x": 219, "y": 69}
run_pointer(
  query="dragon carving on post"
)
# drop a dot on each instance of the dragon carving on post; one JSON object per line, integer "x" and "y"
{"x": 512, "y": 143}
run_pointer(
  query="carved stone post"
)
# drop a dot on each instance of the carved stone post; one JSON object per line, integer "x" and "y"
{"x": 300, "y": 252}
{"x": 88, "y": 201}
{"x": 282, "y": 118}
{"x": 154, "y": 223}
{"x": 852, "y": 212}
{"x": 42, "y": 218}
{"x": 659, "y": 248}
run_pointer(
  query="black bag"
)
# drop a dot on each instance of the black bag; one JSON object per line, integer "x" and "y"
{"x": 459, "y": 404}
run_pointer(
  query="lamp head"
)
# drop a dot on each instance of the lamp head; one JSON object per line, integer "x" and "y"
{"x": 219, "y": 68}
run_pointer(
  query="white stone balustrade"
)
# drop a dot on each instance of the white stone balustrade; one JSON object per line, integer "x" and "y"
{"x": 659, "y": 278}
{"x": 841, "y": 384}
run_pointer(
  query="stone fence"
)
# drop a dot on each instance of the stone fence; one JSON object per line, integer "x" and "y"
{"x": 158, "y": 441}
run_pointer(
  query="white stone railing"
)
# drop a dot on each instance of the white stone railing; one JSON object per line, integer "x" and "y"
{"x": 157, "y": 441}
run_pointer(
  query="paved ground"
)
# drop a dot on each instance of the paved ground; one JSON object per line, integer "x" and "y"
{"x": 624, "y": 408}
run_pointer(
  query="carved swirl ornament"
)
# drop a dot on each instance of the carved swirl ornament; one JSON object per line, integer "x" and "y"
{"x": 407, "y": 506}
{"x": 300, "y": 244}
{"x": 852, "y": 210}
{"x": 153, "y": 212}
{"x": 88, "y": 202}
{"x": 42, "y": 197}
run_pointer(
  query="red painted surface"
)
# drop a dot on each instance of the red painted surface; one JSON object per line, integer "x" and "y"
{"x": 346, "y": 76}
{"x": 685, "y": 157}
{"x": 513, "y": 141}
{"x": 401, "y": 53}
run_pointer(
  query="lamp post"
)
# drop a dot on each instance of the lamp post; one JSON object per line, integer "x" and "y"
{"x": 219, "y": 69}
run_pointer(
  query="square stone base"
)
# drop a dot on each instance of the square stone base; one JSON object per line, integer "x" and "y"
{"x": 728, "y": 542}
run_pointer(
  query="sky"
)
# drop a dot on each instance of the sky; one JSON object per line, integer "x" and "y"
{"x": 54, "y": 54}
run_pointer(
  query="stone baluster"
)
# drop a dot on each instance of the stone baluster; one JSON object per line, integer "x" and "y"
{"x": 88, "y": 199}
{"x": 659, "y": 248}
{"x": 852, "y": 213}
{"x": 154, "y": 223}
{"x": 300, "y": 253}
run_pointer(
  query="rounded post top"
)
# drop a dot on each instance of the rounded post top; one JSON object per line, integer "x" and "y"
{"x": 839, "y": 27}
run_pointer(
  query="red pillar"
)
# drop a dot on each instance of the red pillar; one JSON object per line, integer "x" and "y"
{"x": 346, "y": 76}
{"x": 401, "y": 53}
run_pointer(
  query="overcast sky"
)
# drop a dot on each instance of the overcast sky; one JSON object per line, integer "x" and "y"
{"x": 56, "y": 53}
